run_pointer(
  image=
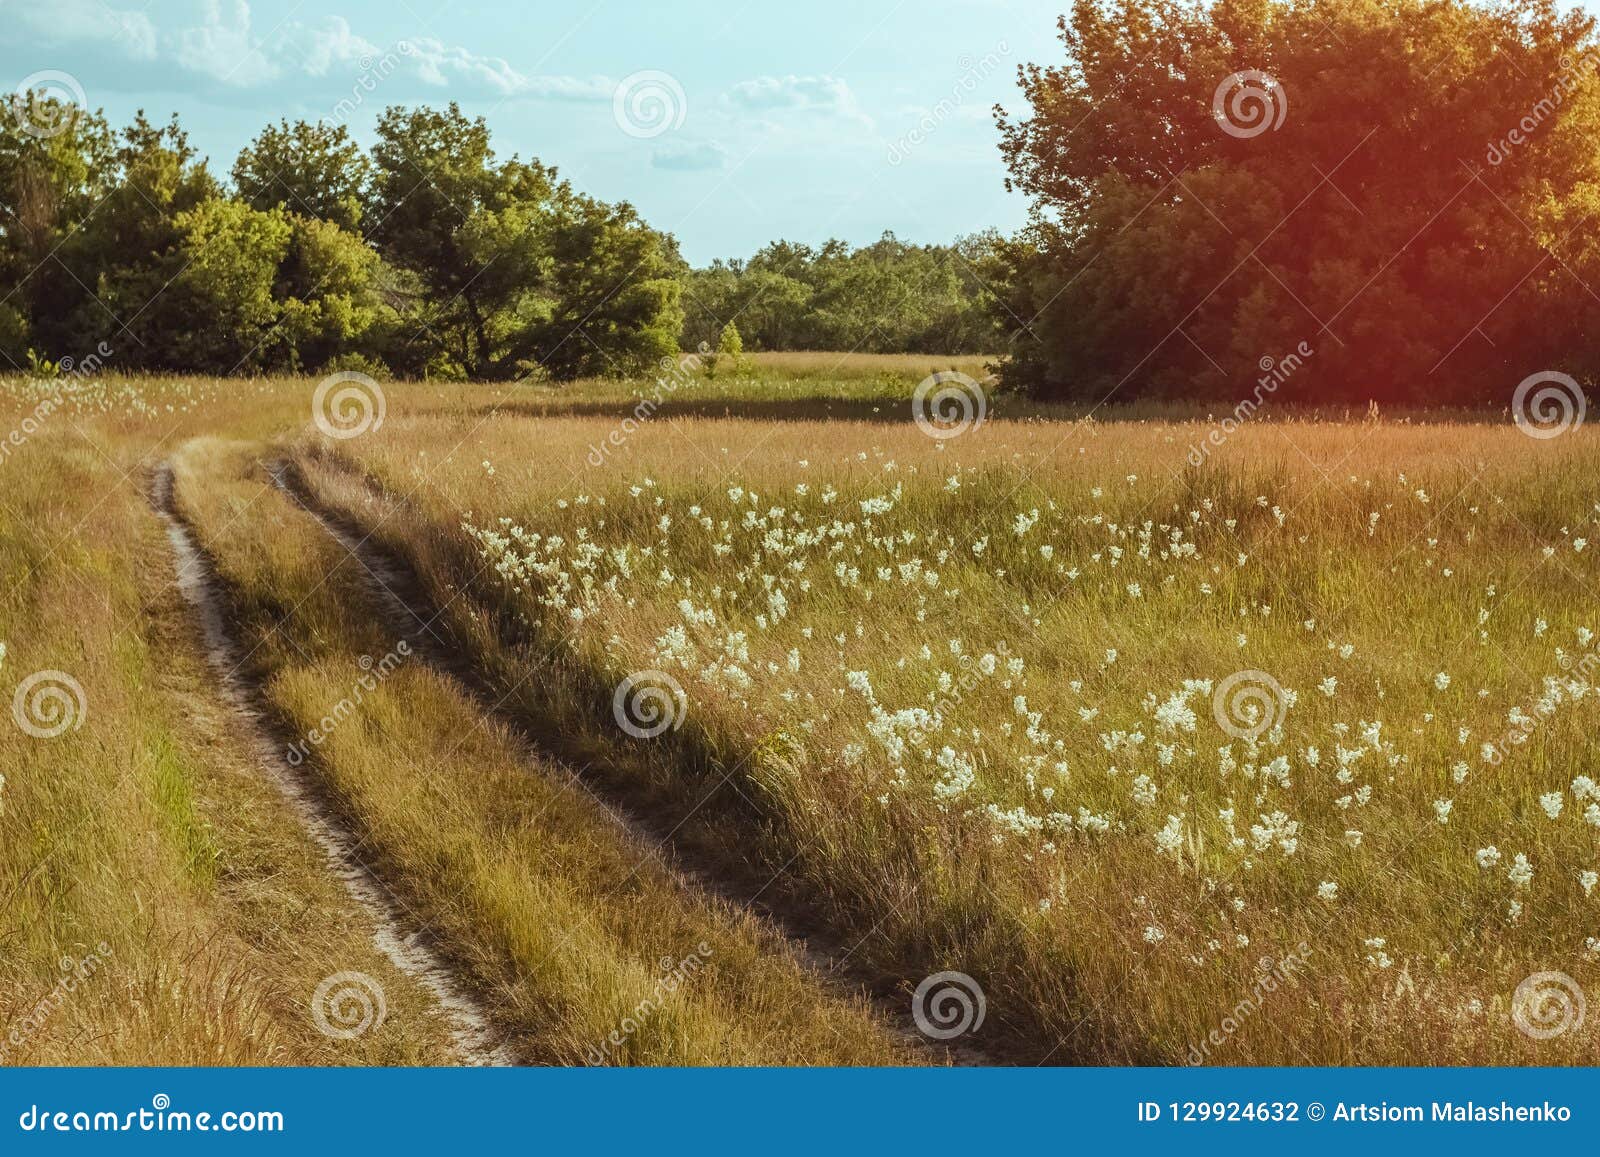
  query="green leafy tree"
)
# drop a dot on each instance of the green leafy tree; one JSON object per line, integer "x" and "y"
{"x": 329, "y": 290}
{"x": 220, "y": 306}
{"x": 518, "y": 273}
{"x": 314, "y": 170}
{"x": 1192, "y": 217}
{"x": 126, "y": 255}
{"x": 49, "y": 185}
{"x": 614, "y": 294}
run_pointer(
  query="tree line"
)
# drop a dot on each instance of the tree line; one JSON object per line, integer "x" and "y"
{"x": 1402, "y": 194}
{"x": 425, "y": 256}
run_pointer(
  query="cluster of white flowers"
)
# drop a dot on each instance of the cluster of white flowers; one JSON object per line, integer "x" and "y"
{"x": 773, "y": 607}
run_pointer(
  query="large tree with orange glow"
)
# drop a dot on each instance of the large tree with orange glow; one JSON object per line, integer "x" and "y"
{"x": 1410, "y": 187}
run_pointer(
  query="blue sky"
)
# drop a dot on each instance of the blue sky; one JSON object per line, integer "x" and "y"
{"x": 737, "y": 122}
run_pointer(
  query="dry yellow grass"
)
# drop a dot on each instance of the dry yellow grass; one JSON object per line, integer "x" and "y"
{"x": 161, "y": 905}
{"x": 1441, "y": 575}
{"x": 586, "y": 946}
{"x": 1069, "y": 831}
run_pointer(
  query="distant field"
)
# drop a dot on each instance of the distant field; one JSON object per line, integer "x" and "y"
{"x": 1285, "y": 757}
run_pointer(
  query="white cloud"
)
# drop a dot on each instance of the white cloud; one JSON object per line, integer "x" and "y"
{"x": 825, "y": 94}
{"x": 221, "y": 43}
{"x": 86, "y": 20}
{"x": 689, "y": 156}
{"x": 443, "y": 65}
{"x": 223, "y": 47}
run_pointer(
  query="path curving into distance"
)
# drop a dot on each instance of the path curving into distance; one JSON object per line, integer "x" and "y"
{"x": 475, "y": 1040}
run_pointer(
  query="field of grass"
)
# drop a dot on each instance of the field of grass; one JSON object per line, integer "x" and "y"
{"x": 1287, "y": 757}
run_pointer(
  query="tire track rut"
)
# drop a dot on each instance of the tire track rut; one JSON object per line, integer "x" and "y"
{"x": 408, "y": 612}
{"x": 475, "y": 1039}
